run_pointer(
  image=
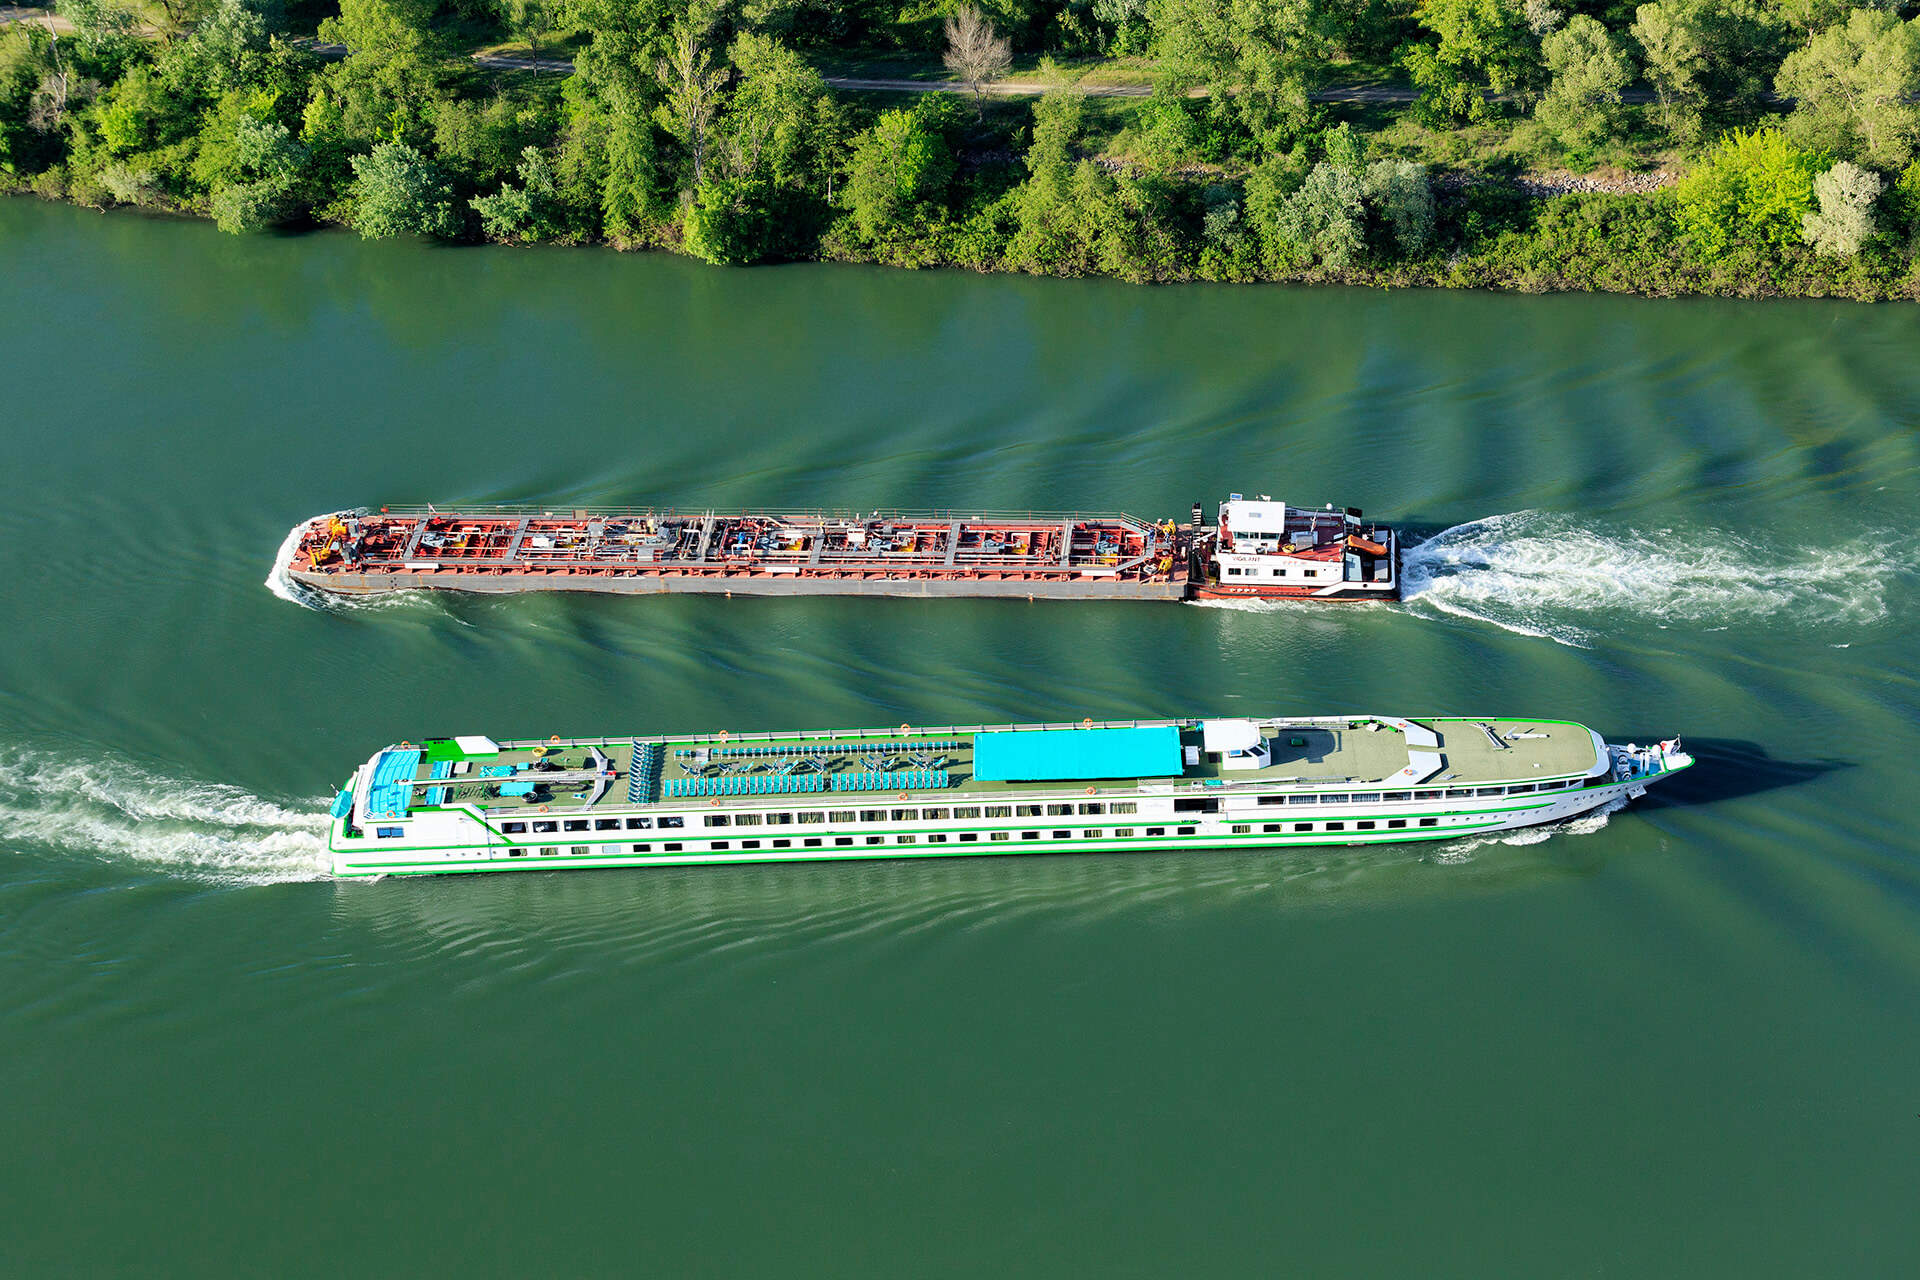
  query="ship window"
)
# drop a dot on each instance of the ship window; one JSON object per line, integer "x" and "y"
{"x": 1429, "y": 822}
{"x": 1122, "y": 831}
{"x": 1270, "y": 827}
{"x": 719, "y": 820}
{"x": 643, "y": 848}
{"x": 967, "y": 811}
{"x": 546, "y": 826}
{"x": 1303, "y": 826}
{"x": 1090, "y": 835}
{"x": 1363, "y": 826}
{"x": 873, "y": 815}
{"x": 1027, "y": 810}
{"x": 969, "y": 837}
{"x": 842, "y": 840}
{"x": 876, "y": 839}
{"x": 1327, "y": 799}
{"x": 933, "y": 815}
{"x": 779, "y": 819}
{"x": 639, "y": 824}
{"x": 1063, "y": 835}
{"x": 936, "y": 839}
{"x": 719, "y": 844}
{"x": 514, "y": 828}
{"x": 783, "y": 844}
{"x": 1093, "y": 808}
{"x": 1233, "y": 573}
{"x": 999, "y": 835}
{"x": 1123, "y": 806}
{"x": 1454, "y": 793}
{"x": 581, "y": 850}
{"x": 837, "y": 816}
{"x": 905, "y": 839}
{"x": 1156, "y": 831}
{"x": 1029, "y": 835}
{"x": 749, "y": 844}
{"x": 673, "y": 822}
{"x": 812, "y": 818}
{"x": 1303, "y": 799}
{"x": 1279, "y": 573}
{"x": 1273, "y": 799}
{"x": 1059, "y": 810}
{"x": 1520, "y": 790}
{"x": 1242, "y": 829}
{"x": 999, "y": 811}
{"x": 906, "y": 815}
{"x": 1197, "y": 805}
{"x": 606, "y": 824}
{"x": 1392, "y": 797}
{"x": 389, "y": 833}
{"x": 811, "y": 842}
{"x": 546, "y": 852}
{"x": 576, "y": 824}
{"x": 1365, "y": 797}
{"x": 672, "y": 848}
{"x": 1336, "y": 826}
{"x": 1491, "y": 791}
{"x": 746, "y": 820}
{"x": 1394, "y": 824}
{"x": 1184, "y": 831}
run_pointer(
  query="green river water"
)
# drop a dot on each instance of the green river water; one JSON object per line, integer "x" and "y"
{"x": 1682, "y": 1039}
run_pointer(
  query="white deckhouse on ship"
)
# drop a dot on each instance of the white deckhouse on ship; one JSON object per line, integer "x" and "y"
{"x": 474, "y": 804}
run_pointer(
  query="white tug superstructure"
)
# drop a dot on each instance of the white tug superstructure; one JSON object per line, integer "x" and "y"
{"x": 474, "y": 804}
{"x": 1271, "y": 551}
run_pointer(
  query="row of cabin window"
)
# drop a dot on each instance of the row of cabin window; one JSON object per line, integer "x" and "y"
{"x": 1430, "y": 793}
{"x": 971, "y": 837}
{"x": 816, "y": 817}
{"x": 1271, "y": 573}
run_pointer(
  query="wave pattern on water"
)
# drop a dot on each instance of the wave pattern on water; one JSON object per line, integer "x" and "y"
{"x": 109, "y": 807}
{"x": 1540, "y": 574}
{"x": 1584, "y": 824}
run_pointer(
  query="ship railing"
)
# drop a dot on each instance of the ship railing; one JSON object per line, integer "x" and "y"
{"x": 836, "y": 514}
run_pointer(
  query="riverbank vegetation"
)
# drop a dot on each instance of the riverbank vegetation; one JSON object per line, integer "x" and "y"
{"x": 706, "y": 127}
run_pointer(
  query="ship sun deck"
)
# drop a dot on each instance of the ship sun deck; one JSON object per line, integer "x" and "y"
{"x": 842, "y": 767}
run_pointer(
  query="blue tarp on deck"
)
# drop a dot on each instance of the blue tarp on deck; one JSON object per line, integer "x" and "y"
{"x": 386, "y": 798}
{"x": 1052, "y": 755}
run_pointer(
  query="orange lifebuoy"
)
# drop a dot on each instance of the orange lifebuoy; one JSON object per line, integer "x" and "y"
{"x": 723, "y": 735}
{"x": 714, "y": 803}
{"x": 554, "y": 738}
{"x": 1092, "y": 791}
{"x": 906, "y": 795}
{"x": 906, "y": 728}
{"x": 1087, "y": 723}
{"x": 543, "y": 808}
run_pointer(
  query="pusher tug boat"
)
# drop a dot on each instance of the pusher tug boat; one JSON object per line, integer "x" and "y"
{"x": 1259, "y": 549}
{"x": 474, "y": 804}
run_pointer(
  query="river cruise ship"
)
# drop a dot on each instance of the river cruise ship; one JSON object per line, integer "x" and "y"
{"x": 473, "y": 804}
{"x": 1258, "y": 548}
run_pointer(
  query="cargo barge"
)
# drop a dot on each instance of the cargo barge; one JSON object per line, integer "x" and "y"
{"x": 470, "y": 804}
{"x": 1258, "y": 549}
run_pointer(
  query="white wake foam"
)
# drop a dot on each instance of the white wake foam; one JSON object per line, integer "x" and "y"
{"x": 1583, "y": 825}
{"x": 1540, "y": 574}
{"x": 112, "y": 808}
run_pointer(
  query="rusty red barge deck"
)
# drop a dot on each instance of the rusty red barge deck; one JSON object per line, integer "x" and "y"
{"x": 1033, "y": 555}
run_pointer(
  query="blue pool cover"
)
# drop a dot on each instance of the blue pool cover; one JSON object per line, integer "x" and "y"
{"x": 386, "y": 798}
{"x": 1052, "y": 755}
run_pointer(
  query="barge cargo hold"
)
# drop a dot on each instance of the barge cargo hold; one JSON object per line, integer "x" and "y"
{"x": 474, "y": 804}
{"x": 1261, "y": 549}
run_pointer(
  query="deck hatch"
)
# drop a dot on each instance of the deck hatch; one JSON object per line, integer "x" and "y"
{"x": 1051, "y": 755}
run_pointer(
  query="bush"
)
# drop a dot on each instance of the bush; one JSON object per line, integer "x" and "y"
{"x": 399, "y": 191}
{"x": 1755, "y": 189}
{"x": 1844, "y": 220}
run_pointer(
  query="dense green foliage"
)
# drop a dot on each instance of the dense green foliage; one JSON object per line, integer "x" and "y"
{"x": 708, "y": 128}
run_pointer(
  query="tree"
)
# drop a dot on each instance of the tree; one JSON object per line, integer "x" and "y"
{"x": 975, "y": 52}
{"x": 1754, "y": 189}
{"x": 631, "y": 204}
{"x": 1853, "y": 88}
{"x": 692, "y": 87}
{"x": 530, "y": 20}
{"x": 1483, "y": 47}
{"x": 1256, "y": 58}
{"x": 262, "y": 178}
{"x": 899, "y": 165}
{"x": 1325, "y": 220}
{"x": 397, "y": 191}
{"x": 1844, "y": 220}
{"x": 523, "y": 213}
{"x": 1590, "y": 66}
{"x": 1400, "y": 192}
